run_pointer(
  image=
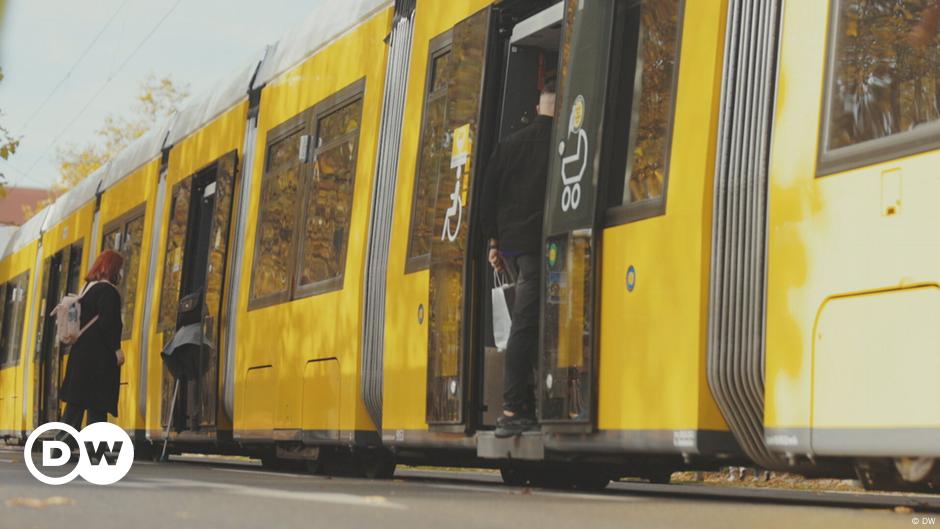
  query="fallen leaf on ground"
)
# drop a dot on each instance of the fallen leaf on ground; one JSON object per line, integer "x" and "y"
{"x": 39, "y": 503}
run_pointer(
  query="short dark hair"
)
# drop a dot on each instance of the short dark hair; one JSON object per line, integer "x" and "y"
{"x": 548, "y": 87}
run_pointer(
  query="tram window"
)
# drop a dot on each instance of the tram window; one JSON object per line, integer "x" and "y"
{"x": 125, "y": 236}
{"x": 271, "y": 272}
{"x": 173, "y": 254}
{"x": 329, "y": 199}
{"x": 5, "y": 325}
{"x": 75, "y": 268}
{"x": 14, "y": 310}
{"x": 649, "y": 41}
{"x": 432, "y": 154}
{"x": 884, "y": 82}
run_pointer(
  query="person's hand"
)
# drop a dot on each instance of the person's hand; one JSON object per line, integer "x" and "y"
{"x": 496, "y": 260}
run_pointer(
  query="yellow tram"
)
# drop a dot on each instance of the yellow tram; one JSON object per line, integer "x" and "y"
{"x": 724, "y": 181}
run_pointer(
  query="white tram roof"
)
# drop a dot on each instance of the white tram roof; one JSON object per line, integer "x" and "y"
{"x": 211, "y": 104}
{"x": 27, "y": 233}
{"x": 69, "y": 202}
{"x": 139, "y": 152}
{"x": 6, "y": 234}
{"x": 326, "y": 23}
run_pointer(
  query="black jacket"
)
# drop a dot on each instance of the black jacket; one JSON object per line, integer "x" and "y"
{"x": 92, "y": 377}
{"x": 514, "y": 188}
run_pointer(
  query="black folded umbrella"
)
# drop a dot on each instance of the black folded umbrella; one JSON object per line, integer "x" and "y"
{"x": 183, "y": 354}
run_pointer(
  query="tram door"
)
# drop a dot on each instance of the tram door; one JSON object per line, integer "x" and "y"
{"x": 195, "y": 264}
{"x": 452, "y": 267}
{"x": 61, "y": 274}
{"x": 574, "y": 215}
{"x": 483, "y": 86}
{"x": 531, "y": 60}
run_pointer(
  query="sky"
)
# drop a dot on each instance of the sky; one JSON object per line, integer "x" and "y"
{"x": 102, "y": 50}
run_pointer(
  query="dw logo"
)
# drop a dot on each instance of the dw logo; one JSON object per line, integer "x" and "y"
{"x": 106, "y": 453}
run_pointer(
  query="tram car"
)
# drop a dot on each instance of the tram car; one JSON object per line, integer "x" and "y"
{"x": 738, "y": 264}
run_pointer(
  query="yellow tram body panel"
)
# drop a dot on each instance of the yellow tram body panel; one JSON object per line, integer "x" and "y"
{"x": 653, "y": 339}
{"x": 406, "y": 332}
{"x": 12, "y": 419}
{"x": 298, "y": 361}
{"x": 132, "y": 195}
{"x": 853, "y": 271}
{"x": 222, "y": 135}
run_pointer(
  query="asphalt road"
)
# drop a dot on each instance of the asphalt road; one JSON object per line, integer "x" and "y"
{"x": 191, "y": 493}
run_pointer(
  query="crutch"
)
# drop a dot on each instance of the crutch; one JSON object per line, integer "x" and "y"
{"x": 169, "y": 421}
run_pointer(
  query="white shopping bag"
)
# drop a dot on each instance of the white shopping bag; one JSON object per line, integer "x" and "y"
{"x": 502, "y": 301}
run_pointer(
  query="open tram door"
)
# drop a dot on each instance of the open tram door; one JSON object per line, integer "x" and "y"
{"x": 196, "y": 260}
{"x": 61, "y": 274}
{"x": 480, "y": 88}
{"x": 575, "y": 213}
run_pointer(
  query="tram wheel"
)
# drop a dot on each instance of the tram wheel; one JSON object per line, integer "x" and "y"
{"x": 659, "y": 477}
{"x": 376, "y": 463}
{"x": 514, "y": 476}
{"x": 883, "y": 474}
{"x": 915, "y": 469}
{"x": 144, "y": 451}
{"x": 277, "y": 464}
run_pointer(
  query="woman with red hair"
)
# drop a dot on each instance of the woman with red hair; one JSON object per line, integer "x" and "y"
{"x": 93, "y": 375}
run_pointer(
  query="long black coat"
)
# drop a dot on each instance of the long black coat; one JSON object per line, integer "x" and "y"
{"x": 92, "y": 377}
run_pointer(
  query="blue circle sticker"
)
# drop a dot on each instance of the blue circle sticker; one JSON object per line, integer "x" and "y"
{"x": 631, "y": 278}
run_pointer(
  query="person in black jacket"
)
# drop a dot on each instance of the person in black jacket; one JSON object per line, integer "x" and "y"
{"x": 92, "y": 377}
{"x": 513, "y": 208}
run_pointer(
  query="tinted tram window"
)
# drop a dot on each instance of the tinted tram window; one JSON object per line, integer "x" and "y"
{"x": 14, "y": 310}
{"x": 306, "y": 200}
{"x": 271, "y": 271}
{"x": 646, "y": 55}
{"x": 173, "y": 255}
{"x": 75, "y": 268}
{"x": 433, "y": 153}
{"x": 884, "y": 73}
{"x": 329, "y": 196}
{"x": 655, "y": 76}
{"x": 125, "y": 237}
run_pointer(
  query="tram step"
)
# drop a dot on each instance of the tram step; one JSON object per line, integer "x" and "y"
{"x": 528, "y": 446}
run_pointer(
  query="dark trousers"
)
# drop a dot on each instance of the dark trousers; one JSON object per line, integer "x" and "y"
{"x": 74, "y": 414}
{"x": 522, "y": 349}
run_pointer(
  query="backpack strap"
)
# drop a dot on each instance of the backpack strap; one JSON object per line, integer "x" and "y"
{"x": 87, "y": 325}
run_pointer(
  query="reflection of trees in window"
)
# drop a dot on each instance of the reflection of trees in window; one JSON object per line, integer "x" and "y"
{"x": 173, "y": 257}
{"x": 271, "y": 272}
{"x": 886, "y": 75}
{"x": 14, "y": 310}
{"x": 125, "y": 238}
{"x": 131, "y": 250}
{"x": 435, "y": 145}
{"x": 329, "y": 196}
{"x": 656, "y": 69}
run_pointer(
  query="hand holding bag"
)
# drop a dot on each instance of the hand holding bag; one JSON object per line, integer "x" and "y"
{"x": 502, "y": 301}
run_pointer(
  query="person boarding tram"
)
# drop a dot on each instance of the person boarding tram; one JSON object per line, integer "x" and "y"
{"x": 513, "y": 207}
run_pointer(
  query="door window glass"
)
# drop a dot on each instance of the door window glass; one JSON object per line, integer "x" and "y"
{"x": 13, "y": 314}
{"x": 173, "y": 254}
{"x": 432, "y": 158}
{"x": 125, "y": 237}
{"x": 651, "y": 124}
{"x": 329, "y": 196}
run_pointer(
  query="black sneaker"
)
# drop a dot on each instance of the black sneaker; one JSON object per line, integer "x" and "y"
{"x": 507, "y": 426}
